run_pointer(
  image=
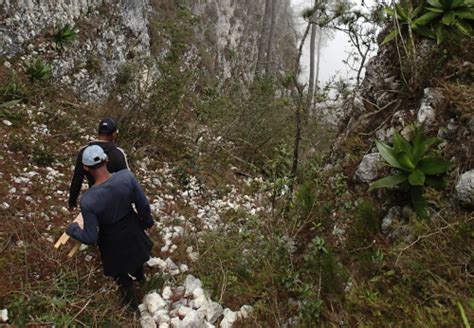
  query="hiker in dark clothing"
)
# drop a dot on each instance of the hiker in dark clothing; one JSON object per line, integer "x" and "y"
{"x": 111, "y": 222}
{"x": 117, "y": 158}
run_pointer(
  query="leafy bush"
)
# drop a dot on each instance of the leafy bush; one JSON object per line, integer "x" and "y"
{"x": 65, "y": 36}
{"x": 441, "y": 18}
{"x": 417, "y": 164}
{"x": 38, "y": 70}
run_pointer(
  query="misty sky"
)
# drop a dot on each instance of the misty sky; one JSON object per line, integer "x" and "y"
{"x": 333, "y": 53}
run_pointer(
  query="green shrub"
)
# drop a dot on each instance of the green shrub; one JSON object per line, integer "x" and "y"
{"x": 65, "y": 36}
{"x": 437, "y": 20}
{"x": 418, "y": 167}
{"x": 38, "y": 70}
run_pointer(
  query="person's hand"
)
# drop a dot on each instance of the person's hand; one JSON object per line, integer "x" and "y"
{"x": 80, "y": 221}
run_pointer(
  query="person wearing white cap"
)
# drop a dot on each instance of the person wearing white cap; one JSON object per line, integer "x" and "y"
{"x": 112, "y": 223}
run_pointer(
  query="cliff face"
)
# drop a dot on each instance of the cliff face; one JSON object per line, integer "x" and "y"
{"x": 112, "y": 33}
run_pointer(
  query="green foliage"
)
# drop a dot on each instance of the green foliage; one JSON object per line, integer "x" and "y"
{"x": 437, "y": 20}
{"x": 447, "y": 17}
{"x": 405, "y": 15}
{"x": 125, "y": 74}
{"x": 11, "y": 94}
{"x": 38, "y": 70}
{"x": 65, "y": 36}
{"x": 305, "y": 199}
{"x": 307, "y": 13}
{"x": 43, "y": 154}
{"x": 417, "y": 164}
{"x": 12, "y": 90}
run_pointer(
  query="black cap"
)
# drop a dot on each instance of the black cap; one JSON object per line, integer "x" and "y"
{"x": 107, "y": 126}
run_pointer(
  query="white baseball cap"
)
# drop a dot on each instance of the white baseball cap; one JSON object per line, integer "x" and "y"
{"x": 93, "y": 155}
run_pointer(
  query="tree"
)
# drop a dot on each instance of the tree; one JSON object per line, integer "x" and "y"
{"x": 312, "y": 59}
{"x": 264, "y": 33}
{"x": 271, "y": 37}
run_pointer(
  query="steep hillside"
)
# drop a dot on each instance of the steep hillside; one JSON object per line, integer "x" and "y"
{"x": 243, "y": 237}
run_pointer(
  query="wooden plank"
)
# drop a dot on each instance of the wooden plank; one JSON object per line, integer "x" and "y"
{"x": 74, "y": 249}
{"x": 62, "y": 240}
{"x": 65, "y": 237}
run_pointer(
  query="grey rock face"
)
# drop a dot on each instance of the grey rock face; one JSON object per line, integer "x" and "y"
{"x": 370, "y": 168}
{"x": 432, "y": 102}
{"x": 465, "y": 188}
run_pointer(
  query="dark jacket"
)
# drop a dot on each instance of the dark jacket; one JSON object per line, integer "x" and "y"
{"x": 117, "y": 161}
{"x": 111, "y": 222}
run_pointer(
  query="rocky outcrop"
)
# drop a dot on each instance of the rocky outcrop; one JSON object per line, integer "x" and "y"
{"x": 109, "y": 33}
{"x": 114, "y": 40}
{"x": 465, "y": 188}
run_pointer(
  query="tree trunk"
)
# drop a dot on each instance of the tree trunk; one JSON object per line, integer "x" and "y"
{"x": 299, "y": 104}
{"x": 263, "y": 42}
{"x": 271, "y": 37}
{"x": 320, "y": 36}
{"x": 312, "y": 59}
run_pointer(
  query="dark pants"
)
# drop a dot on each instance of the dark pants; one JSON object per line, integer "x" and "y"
{"x": 127, "y": 290}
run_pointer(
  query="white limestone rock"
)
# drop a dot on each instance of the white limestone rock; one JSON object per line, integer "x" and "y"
{"x": 431, "y": 102}
{"x": 183, "y": 268}
{"x": 167, "y": 293}
{"x": 172, "y": 267}
{"x": 161, "y": 316}
{"x": 146, "y": 321}
{"x": 183, "y": 311}
{"x": 154, "y": 302}
{"x": 465, "y": 188}
{"x": 213, "y": 311}
{"x": 190, "y": 284}
{"x": 3, "y": 315}
{"x": 192, "y": 320}
{"x": 229, "y": 318}
{"x": 175, "y": 322}
{"x": 200, "y": 301}
{"x": 245, "y": 311}
{"x": 156, "y": 261}
{"x": 370, "y": 168}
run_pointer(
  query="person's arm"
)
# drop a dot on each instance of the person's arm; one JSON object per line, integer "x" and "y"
{"x": 76, "y": 181}
{"x": 142, "y": 205}
{"x": 90, "y": 233}
{"x": 122, "y": 163}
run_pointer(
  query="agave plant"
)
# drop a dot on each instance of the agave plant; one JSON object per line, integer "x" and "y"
{"x": 446, "y": 16}
{"x": 65, "y": 36}
{"x": 405, "y": 15}
{"x": 418, "y": 166}
{"x": 38, "y": 70}
{"x": 435, "y": 19}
